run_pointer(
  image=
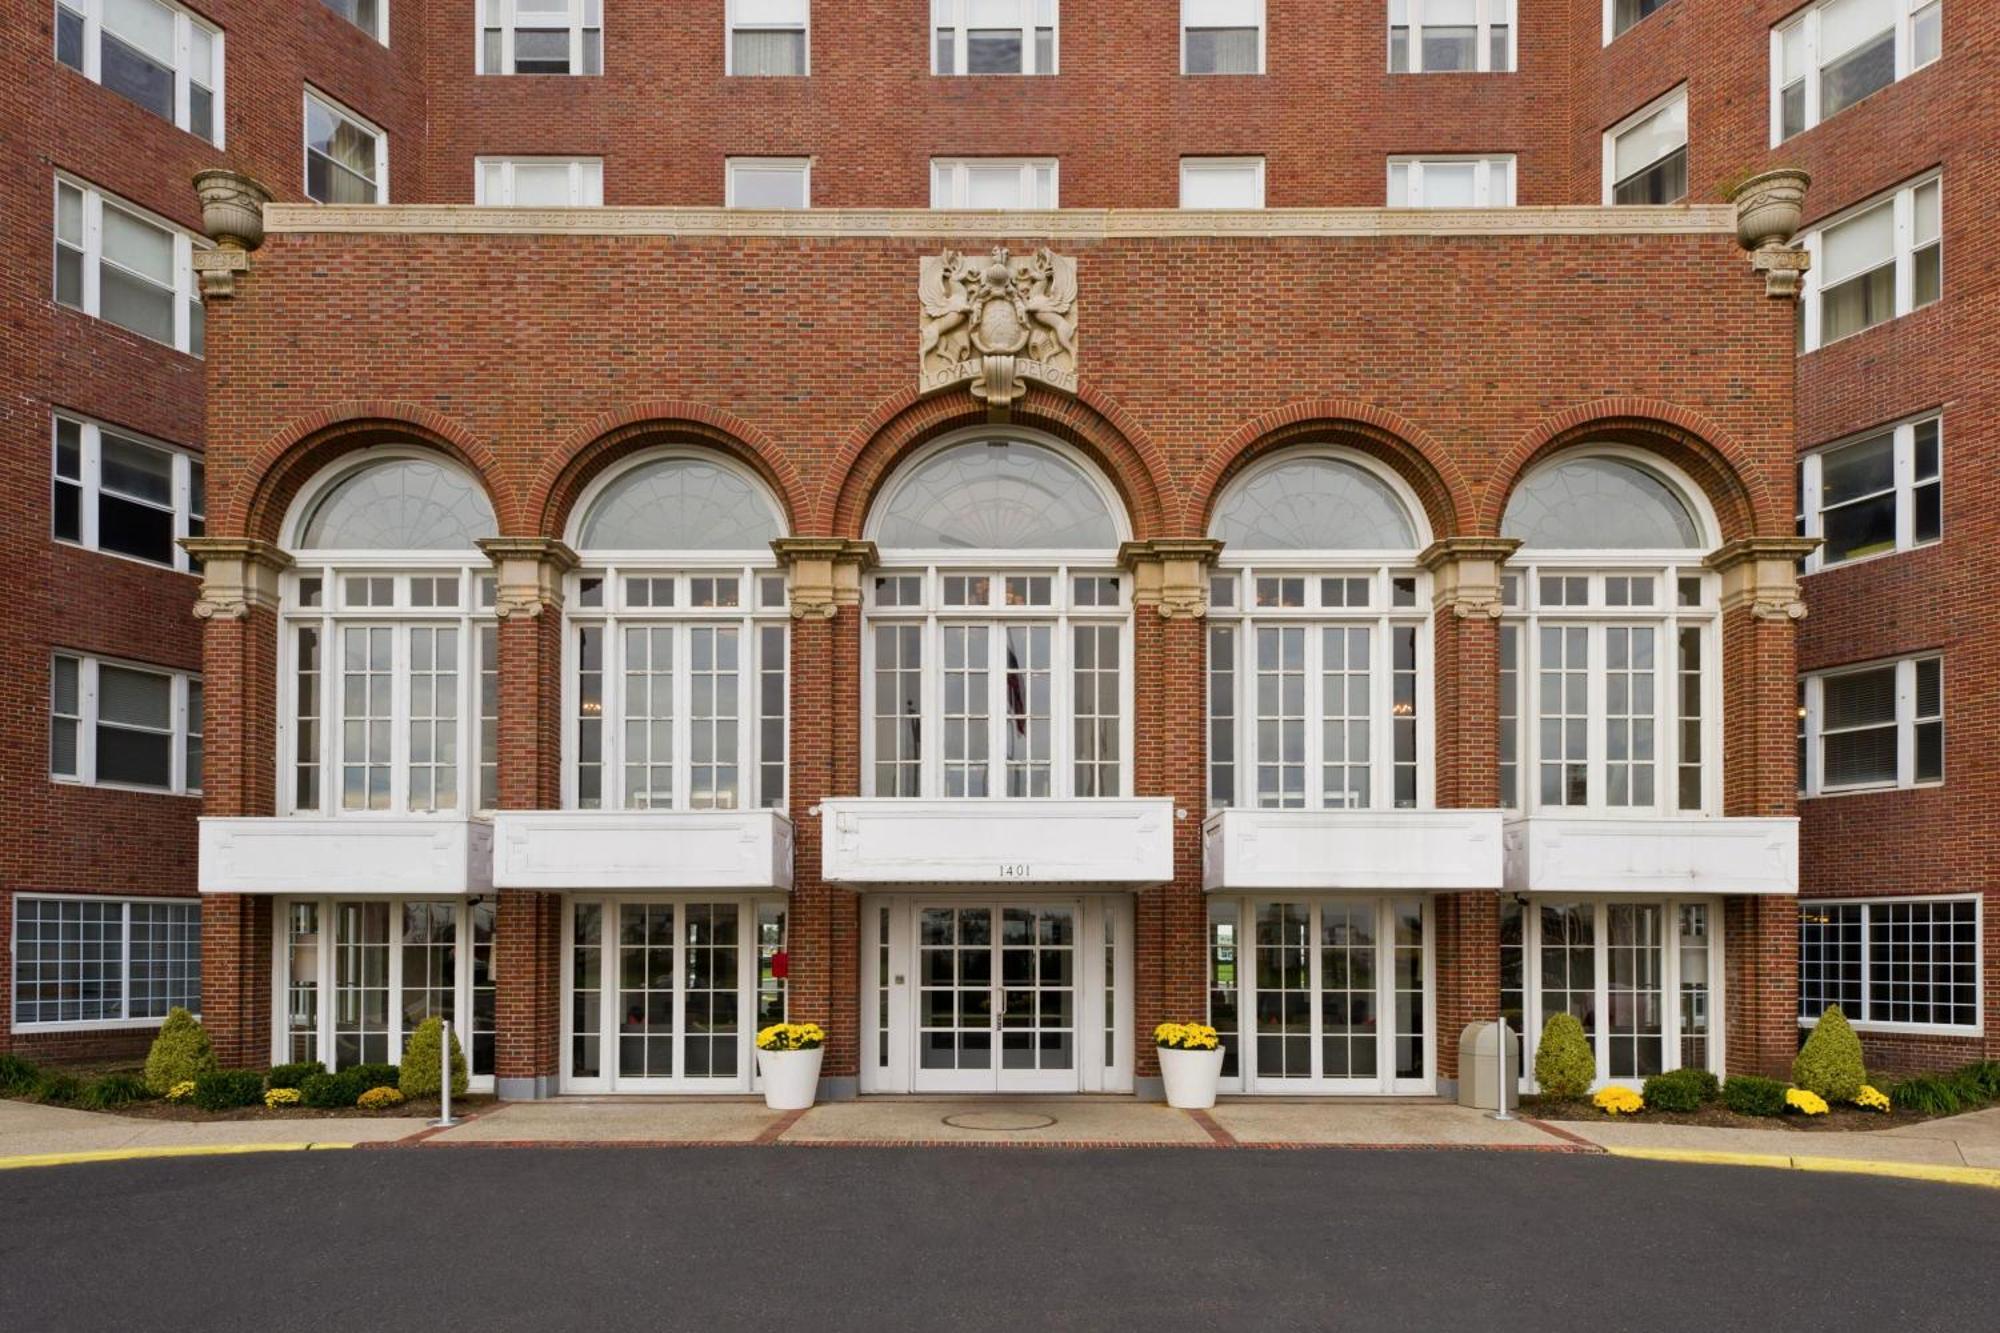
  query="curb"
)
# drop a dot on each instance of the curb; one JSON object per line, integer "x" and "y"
{"x": 138, "y": 1154}
{"x": 1978, "y": 1176}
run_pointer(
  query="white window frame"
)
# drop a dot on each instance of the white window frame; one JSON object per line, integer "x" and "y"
{"x": 951, "y": 180}
{"x": 1903, "y": 199}
{"x": 381, "y": 20}
{"x": 1859, "y": 1021}
{"x": 800, "y": 166}
{"x": 586, "y": 179}
{"x": 1484, "y": 194}
{"x": 92, "y": 14}
{"x": 505, "y": 18}
{"x": 1488, "y": 14}
{"x": 1812, "y": 710}
{"x": 124, "y": 967}
{"x": 1222, "y": 166}
{"x": 89, "y": 481}
{"x": 1612, "y": 32}
{"x": 952, "y": 16}
{"x": 189, "y": 317}
{"x": 759, "y": 15}
{"x": 1811, "y": 519}
{"x": 1611, "y": 136}
{"x": 341, "y": 112}
{"x": 1207, "y": 14}
{"x": 1806, "y": 23}
{"x": 182, "y": 686}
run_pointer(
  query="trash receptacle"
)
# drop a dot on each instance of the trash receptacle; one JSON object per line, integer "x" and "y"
{"x": 1479, "y": 1065}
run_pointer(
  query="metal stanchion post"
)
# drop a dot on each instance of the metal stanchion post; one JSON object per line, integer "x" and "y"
{"x": 1500, "y": 1054}
{"x": 444, "y": 1087}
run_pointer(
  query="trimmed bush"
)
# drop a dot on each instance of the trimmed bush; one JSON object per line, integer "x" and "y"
{"x": 1681, "y": 1090}
{"x": 293, "y": 1075}
{"x": 180, "y": 1053}
{"x": 1935, "y": 1094}
{"x": 56, "y": 1087}
{"x": 1564, "y": 1065}
{"x": 114, "y": 1090}
{"x": 227, "y": 1089}
{"x": 374, "y": 1076}
{"x": 1747, "y": 1094}
{"x": 423, "y": 1063}
{"x": 329, "y": 1092}
{"x": 16, "y": 1075}
{"x": 1830, "y": 1062}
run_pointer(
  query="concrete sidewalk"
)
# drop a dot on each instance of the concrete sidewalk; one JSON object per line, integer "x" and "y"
{"x": 28, "y": 1130}
{"x": 1971, "y": 1140}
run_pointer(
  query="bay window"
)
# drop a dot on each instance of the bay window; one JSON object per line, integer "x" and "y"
{"x": 1873, "y": 496}
{"x": 993, "y": 36}
{"x": 1222, "y": 36}
{"x": 1872, "y": 264}
{"x": 122, "y": 495}
{"x": 155, "y": 54}
{"x": 1892, "y": 964}
{"x": 1645, "y": 155}
{"x": 541, "y": 37}
{"x": 1451, "y": 36}
{"x": 768, "y": 37}
{"x": 1872, "y": 727}
{"x": 120, "y": 264}
{"x": 1836, "y": 52}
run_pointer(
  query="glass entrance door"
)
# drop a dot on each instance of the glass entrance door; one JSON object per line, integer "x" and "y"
{"x": 997, "y": 992}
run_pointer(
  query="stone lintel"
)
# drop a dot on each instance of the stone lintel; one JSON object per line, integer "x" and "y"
{"x": 237, "y": 574}
{"x": 1170, "y": 574}
{"x": 1762, "y": 573}
{"x": 1465, "y": 574}
{"x": 530, "y": 572}
{"x": 823, "y": 573}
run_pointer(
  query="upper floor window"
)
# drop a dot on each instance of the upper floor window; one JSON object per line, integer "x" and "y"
{"x": 1872, "y": 264}
{"x": 347, "y": 159}
{"x": 116, "y": 724}
{"x": 539, "y": 182}
{"x": 1610, "y": 680}
{"x": 371, "y": 16}
{"x": 993, "y": 182}
{"x": 123, "y": 265}
{"x": 1874, "y": 495}
{"x": 1222, "y": 36}
{"x": 1621, "y": 15}
{"x": 769, "y": 37}
{"x": 768, "y": 182}
{"x": 541, "y": 37}
{"x": 1836, "y": 52}
{"x": 677, "y": 623}
{"x": 1645, "y": 155}
{"x": 1222, "y": 182}
{"x": 1318, "y": 651}
{"x": 157, "y": 55}
{"x": 389, "y": 651}
{"x": 993, "y": 36}
{"x": 996, "y": 650}
{"x": 1872, "y": 727}
{"x": 1451, "y": 36}
{"x": 116, "y": 493}
{"x": 1451, "y": 182}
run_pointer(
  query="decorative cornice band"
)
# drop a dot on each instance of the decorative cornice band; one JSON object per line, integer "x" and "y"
{"x": 1450, "y": 550}
{"x": 1732, "y": 553}
{"x": 840, "y": 550}
{"x": 1081, "y": 224}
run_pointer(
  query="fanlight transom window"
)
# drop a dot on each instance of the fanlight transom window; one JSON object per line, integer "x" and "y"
{"x": 679, "y": 504}
{"x": 1314, "y": 504}
{"x": 995, "y": 495}
{"x": 399, "y": 504}
{"x": 1601, "y": 503}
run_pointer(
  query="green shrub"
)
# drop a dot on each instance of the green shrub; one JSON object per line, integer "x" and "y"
{"x": 227, "y": 1089}
{"x": 180, "y": 1053}
{"x": 1747, "y": 1094}
{"x": 1830, "y": 1061}
{"x": 113, "y": 1090}
{"x": 1680, "y": 1090}
{"x": 293, "y": 1075}
{"x": 56, "y": 1087}
{"x": 16, "y": 1075}
{"x": 331, "y": 1091}
{"x": 423, "y": 1071}
{"x": 374, "y": 1076}
{"x": 1984, "y": 1075}
{"x": 1936, "y": 1094}
{"x": 1564, "y": 1065}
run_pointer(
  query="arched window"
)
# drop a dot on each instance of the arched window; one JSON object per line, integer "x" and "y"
{"x": 676, "y": 648}
{"x": 997, "y": 651}
{"x": 398, "y": 504}
{"x": 1314, "y": 502}
{"x": 1598, "y": 503}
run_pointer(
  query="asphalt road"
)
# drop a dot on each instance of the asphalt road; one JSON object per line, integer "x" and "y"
{"x": 971, "y": 1239}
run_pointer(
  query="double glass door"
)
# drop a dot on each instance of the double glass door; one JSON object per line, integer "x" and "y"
{"x": 997, "y": 997}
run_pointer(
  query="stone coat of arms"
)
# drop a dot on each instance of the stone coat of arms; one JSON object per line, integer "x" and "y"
{"x": 998, "y": 322}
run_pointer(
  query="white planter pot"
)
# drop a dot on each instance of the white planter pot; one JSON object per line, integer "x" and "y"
{"x": 1190, "y": 1077}
{"x": 791, "y": 1078}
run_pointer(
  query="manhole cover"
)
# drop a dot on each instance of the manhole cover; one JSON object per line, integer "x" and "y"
{"x": 999, "y": 1121}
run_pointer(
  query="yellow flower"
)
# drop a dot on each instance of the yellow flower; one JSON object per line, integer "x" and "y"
{"x": 791, "y": 1037}
{"x": 1616, "y": 1100}
{"x": 1186, "y": 1037}
{"x": 1871, "y": 1099}
{"x": 277, "y": 1097}
{"x": 376, "y": 1098}
{"x": 181, "y": 1091}
{"x": 1809, "y": 1103}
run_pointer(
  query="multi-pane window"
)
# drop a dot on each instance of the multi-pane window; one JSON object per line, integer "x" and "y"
{"x": 347, "y": 159}
{"x": 1894, "y": 963}
{"x": 1620, "y": 15}
{"x": 541, "y": 37}
{"x": 1873, "y": 727}
{"x": 371, "y": 16}
{"x": 539, "y": 182}
{"x": 1222, "y": 182}
{"x": 84, "y": 962}
{"x": 993, "y": 36}
{"x": 1645, "y": 155}
{"x": 1873, "y": 263}
{"x": 768, "y": 182}
{"x": 119, "y": 494}
{"x": 1222, "y": 36}
{"x": 1837, "y": 52}
{"x": 1451, "y": 36}
{"x": 126, "y": 267}
{"x": 1874, "y": 495}
{"x": 1451, "y": 182}
{"x": 158, "y": 55}
{"x": 769, "y": 37}
{"x": 117, "y": 725}
{"x": 991, "y": 182}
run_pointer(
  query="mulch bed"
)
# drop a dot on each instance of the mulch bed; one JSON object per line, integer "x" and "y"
{"x": 425, "y": 1108}
{"x": 1837, "y": 1118}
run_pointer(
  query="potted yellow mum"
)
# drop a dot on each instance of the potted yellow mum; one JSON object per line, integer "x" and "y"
{"x": 1190, "y": 1063}
{"x": 788, "y": 1056}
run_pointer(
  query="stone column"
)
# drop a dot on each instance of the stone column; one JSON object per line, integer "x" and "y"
{"x": 823, "y": 922}
{"x": 1169, "y": 657}
{"x": 1465, "y": 657}
{"x": 527, "y": 942}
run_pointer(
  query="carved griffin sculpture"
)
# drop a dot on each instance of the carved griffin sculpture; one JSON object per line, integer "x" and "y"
{"x": 997, "y": 322}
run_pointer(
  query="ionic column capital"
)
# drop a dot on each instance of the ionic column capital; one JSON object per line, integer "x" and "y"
{"x": 823, "y": 574}
{"x": 1465, "y": 574}
{"x": 1170, "y": 574}
{"x": 530, "y": 573}
{"x": 237, "y": 574}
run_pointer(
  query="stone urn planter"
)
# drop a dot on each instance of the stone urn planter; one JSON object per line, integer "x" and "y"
{"x": 1190, "y": 1064}
{"x": 1769, "y": 207}
{"x": 232, "y": 207}
{"x": 788, "y": 1057}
